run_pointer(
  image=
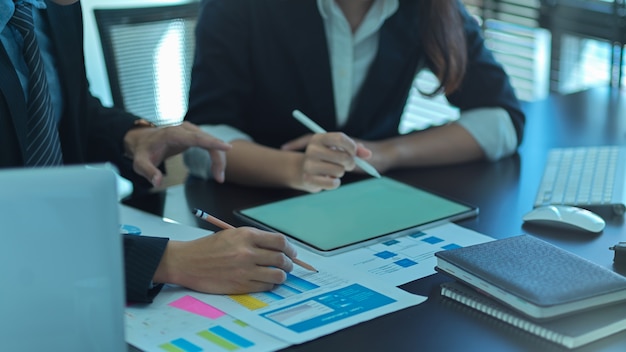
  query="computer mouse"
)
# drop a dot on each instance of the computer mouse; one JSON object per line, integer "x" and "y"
{"x": 565, "y": 216}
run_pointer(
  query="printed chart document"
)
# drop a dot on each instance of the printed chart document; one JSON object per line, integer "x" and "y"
{"x": 308, "y": 305}
{"x": 178, "y": 320}
{"x": 411, "y": 257}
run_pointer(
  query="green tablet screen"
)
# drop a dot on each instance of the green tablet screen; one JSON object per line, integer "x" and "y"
{"x": 355, "y": 213}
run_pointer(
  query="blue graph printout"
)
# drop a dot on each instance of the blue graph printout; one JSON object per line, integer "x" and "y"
{"x": 328, "y": 307}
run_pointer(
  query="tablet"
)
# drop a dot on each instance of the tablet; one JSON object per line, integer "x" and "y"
{"x": 356, "y": 214}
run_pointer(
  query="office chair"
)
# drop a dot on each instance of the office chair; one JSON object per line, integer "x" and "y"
{"x": 148, "y": 53}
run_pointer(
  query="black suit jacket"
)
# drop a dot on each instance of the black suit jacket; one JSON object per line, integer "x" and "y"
{"x": 88, "y": 131}
{"x": 256, "y": 61}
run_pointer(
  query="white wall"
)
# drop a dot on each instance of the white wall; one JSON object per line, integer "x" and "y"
{"x": 96, "y": 70}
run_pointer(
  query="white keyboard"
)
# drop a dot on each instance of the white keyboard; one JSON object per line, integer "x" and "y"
{"x": 589, "y": 177}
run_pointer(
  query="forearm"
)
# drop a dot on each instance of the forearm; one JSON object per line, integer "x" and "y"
{"x": 252, "y": 164}
{"x": 484, "y": 133}
{"x": 448, "y": 144}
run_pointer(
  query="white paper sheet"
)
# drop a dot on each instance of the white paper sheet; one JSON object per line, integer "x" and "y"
{"x": 178, "y": 321}
{"x": 405, "y": 259}
{"x": 152, "y": 225}
{"x": 309, "y": 305}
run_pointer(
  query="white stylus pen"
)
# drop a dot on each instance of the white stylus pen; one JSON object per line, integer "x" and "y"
{"x": 310, "y": 124}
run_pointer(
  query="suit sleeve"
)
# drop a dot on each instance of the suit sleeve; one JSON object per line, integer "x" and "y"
{"x": 142, "y": 255}
{"x": 107, "y": 128}
{"x": 221, "y": 78}
{"x": 89, "y": 131}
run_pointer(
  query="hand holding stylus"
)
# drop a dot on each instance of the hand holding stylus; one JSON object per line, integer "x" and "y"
{"x": 315, "y": 128}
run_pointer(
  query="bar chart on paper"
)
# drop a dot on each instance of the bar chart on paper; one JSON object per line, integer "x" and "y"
{"x": 408, "y": 258}
{"x": 325, "y": 308}
{"x": 311, "y": 304}
{"x": 217, "y": 336}
{"x": 179, "y": 322}
{"x": 293, "y": 286}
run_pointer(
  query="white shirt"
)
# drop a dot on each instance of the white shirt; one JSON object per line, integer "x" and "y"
{"x": 351, "y": 55}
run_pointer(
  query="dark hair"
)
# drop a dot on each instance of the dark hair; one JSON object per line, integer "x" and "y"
{"x": 443, "y": 37}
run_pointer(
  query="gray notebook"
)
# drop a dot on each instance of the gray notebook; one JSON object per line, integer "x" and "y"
{"x": 61, "y": 253}
{"x": 533, "y": 276}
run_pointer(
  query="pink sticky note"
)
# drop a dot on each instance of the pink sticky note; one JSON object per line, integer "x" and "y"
{"x": 196, "y": 306}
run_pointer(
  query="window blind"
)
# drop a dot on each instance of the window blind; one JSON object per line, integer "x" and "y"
{"x": 587, "y": 36}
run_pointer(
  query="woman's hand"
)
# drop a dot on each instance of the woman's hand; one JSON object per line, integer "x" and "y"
{"x": 327, "y": 157}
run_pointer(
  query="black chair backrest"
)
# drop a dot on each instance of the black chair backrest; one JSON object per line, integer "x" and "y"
{"x": 148, "y": 53}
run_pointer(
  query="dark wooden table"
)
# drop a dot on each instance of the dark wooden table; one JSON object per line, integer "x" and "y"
{"x": 504, "y": 192}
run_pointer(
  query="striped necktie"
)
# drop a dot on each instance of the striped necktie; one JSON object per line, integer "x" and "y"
{"x": 42, "y": 139}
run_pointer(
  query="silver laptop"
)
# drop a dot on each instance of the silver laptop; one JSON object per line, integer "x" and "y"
{"x": 61, "y": 253}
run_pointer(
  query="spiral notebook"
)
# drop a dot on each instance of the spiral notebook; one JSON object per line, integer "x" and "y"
{"x": 571, "y": 331}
